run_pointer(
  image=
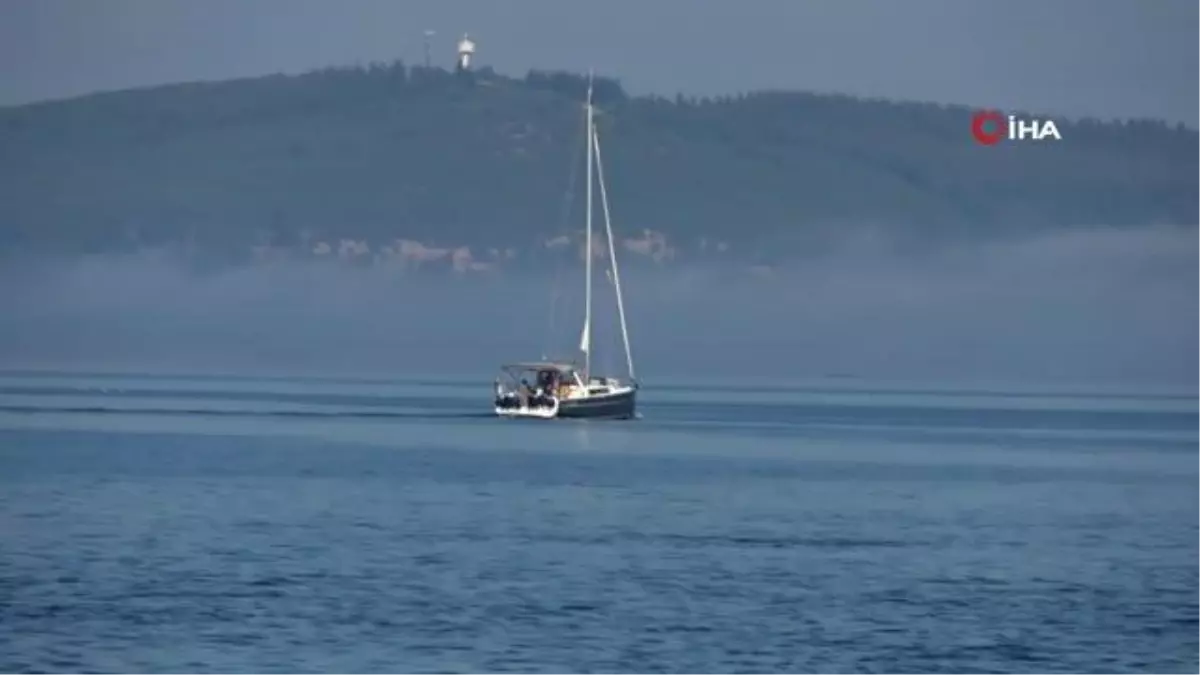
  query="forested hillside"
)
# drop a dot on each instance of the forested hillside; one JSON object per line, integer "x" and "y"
{"x": 411, "y": 162}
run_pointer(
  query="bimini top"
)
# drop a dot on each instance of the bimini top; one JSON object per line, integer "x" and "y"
{"x": 557, "y": 366}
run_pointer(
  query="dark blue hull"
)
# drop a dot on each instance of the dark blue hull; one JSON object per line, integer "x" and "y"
{"x": 614, "y": 406}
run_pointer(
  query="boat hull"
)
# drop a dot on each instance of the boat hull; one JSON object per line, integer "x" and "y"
{"x": 540, "y": 413}
{"x": 617, "y": 405}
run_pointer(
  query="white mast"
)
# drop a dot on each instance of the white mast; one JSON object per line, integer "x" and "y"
{"x": 612, "y": 253}
{"x": 585, "y": 341}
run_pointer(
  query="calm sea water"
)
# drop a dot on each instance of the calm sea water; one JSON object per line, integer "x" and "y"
{"x": 204, "y": 524}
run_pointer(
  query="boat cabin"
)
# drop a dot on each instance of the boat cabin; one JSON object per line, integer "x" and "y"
{"x": 550, "y": 378}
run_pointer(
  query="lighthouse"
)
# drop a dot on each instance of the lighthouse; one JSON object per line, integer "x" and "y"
{"x": 466, "y": 49}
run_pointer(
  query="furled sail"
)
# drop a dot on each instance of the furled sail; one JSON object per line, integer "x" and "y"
{"x": 584, "y": 345}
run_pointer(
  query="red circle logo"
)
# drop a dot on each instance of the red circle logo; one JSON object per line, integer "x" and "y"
{"x": 987, "y": 126}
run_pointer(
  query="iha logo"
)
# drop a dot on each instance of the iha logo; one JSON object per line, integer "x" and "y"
{"x": 989, "y": 127}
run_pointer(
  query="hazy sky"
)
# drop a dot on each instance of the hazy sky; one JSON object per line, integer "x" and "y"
{"x": 1107, "y": 58}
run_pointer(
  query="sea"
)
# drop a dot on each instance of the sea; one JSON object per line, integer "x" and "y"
{"x": 161, "y": 523}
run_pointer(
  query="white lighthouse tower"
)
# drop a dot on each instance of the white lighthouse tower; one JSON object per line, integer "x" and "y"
{"x": 466, "y": 50}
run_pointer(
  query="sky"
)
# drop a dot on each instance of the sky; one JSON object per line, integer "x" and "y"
{"x": 1100, "y": 58}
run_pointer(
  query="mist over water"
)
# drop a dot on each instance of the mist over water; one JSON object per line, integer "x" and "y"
{"x": 1098, "y": 305}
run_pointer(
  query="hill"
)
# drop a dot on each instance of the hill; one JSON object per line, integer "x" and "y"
{"x": 416, "y": 163}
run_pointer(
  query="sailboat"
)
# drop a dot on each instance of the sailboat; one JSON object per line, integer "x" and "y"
{"x": 567, "y": 389}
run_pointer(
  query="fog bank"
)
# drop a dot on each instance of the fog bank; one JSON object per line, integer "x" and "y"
{"x": 1098, "y": 305}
